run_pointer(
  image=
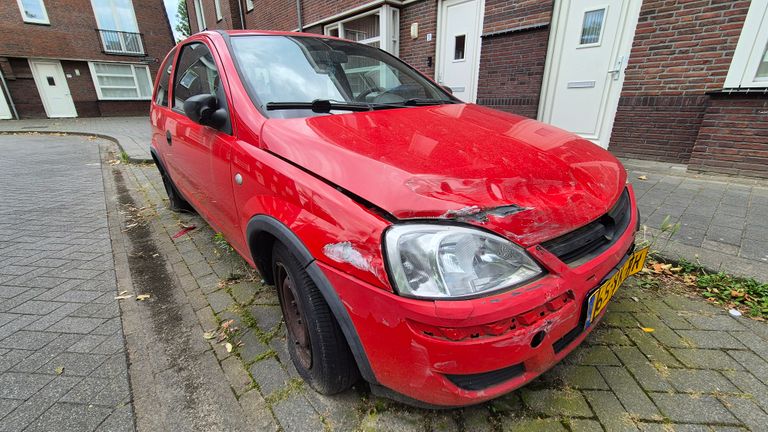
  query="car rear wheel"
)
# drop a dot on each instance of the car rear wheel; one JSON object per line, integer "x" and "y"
{"x": 316, "y": 344}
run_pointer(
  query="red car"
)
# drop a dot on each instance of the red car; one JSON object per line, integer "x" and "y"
{"x": 445, "y": 252}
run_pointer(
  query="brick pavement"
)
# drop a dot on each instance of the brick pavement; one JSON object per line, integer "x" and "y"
{"x": 700, "y": 369}
{"x": 132, "y": 134}
{"x": 62, "y": 357}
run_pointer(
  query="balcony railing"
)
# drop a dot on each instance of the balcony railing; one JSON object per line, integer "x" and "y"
{"x": 119, "y": 42}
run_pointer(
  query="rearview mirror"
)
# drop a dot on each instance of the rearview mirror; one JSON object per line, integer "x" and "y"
{"x": 204, "y": 109}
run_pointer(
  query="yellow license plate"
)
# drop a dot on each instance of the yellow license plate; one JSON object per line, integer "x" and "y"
{"x": 598, "y": 300}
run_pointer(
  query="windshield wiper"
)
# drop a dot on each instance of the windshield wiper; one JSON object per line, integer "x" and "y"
{"x": 325, "y": 106}
{"x": 426, "y": 101}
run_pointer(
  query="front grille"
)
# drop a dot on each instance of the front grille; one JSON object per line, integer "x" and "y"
{"x": 594, "y": 238}
{"x": 484, "y": 380}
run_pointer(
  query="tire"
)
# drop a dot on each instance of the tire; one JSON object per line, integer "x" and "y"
{"x": 175, "y": 202}
{"x": 316, "y": 343}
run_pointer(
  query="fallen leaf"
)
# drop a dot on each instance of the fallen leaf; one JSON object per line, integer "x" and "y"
{"x": 736, "y": 294}
{"x": 228, "y": 347}
{"x": 642, "y": 177}
{"x": 142, "y": 297}
{"x": 184, "y": 230}
{"x": 59, "y": 370}
{"x": 676, "y": 269}
{"x": 123, "y": 297}
{"x": 647, "y": 329}
{"x": 635, "y": 299}
{"x": 209, "y": 334}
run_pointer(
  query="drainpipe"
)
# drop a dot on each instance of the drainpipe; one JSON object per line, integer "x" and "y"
{"x": 298, "y": 15}
{"x": 10, "y": 99}
{"x": 240, "y": 9}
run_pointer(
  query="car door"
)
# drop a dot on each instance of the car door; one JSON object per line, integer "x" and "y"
{"x": 158, "y": 115}
{"x": 201, "y": 154}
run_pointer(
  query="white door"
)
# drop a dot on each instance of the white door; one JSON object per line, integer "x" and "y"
{"x": 458, "y": 56}
{"x": 52, "y": 86}
{"x": 5, "y": 110}
{"x": 588, "y": 52}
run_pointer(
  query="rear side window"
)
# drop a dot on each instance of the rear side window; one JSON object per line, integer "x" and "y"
{"x": 196, "y": 74}
{"x": 161, "y": 98}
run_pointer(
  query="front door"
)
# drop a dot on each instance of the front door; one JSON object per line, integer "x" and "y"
{"x": 53, "y": 88}
{"x": 460, "y": 24}
{"x": 588, "y": 52}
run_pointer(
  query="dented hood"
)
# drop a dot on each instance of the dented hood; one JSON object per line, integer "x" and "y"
{"x": 523, "y": 179}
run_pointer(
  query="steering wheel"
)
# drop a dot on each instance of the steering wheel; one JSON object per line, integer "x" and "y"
{"x": 361, "y": 96}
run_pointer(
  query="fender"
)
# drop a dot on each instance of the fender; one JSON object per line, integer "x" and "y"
{"x": 263, "y": 223}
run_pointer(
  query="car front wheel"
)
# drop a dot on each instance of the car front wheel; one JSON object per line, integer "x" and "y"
{"x": 316, "y": 344}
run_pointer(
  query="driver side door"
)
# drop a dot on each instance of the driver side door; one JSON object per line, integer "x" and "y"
{"x": 202, "y": 154}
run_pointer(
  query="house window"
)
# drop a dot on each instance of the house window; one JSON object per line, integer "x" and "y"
{"x": 592, "y": 27}
{"x": 217, "y": 6}
{"x": 115, "y": 15}
{"x": 248, "y": 5}
{"x": 33, "y": 11}
{"x": 379, "y": 28}
{"x": 119, "y": 81}
{"x": 749, "y": 67}
{"x": 200, "y": 15}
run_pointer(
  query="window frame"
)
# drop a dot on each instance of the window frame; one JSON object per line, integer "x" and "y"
{"x": 174, "y": 75}
{"x": 217, "y": 7}
{"x": 26, "y": 19}
{"x": 599, "y": 42}
{"x": 134, "y": 66}
{"x": 389, "y": 25}
{"x": 170, "y": 62}
{"x": 200, "y": 15}
{"x": 119, "y": 22}
{"x": 750, "y": 49}
{"x": 248, "y": 6}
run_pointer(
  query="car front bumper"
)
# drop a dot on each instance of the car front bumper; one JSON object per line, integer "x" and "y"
{"x": 464, "y": 352}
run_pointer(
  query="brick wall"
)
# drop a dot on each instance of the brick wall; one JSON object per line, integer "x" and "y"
{"x": 417, "y": 52}
{"x": 230, "y": 15}
{"x": 512, "y": 70}
{"x": 733, "y": 138}
{"x": 503, "y": 15}
{"x": 681, "y": 50}
{"x": 274, "y": 15}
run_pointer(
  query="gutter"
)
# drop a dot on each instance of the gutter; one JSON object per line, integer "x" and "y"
{"x": 298, "y": 15}
{"x": 239, "y": 10}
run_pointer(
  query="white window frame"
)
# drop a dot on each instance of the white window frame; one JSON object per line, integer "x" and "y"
{"x": 750, "y": 49}
{"x": 91, "y": 66}
{"x": 200, "y": 15}
{"x": 26, "y": 19}
{"x": 389, "y": 28}
{"x": 217, "y": 6}
{"x": 248, "y": 5}
{"x": 120, "y": 24}
{"x": 602, "y": 27}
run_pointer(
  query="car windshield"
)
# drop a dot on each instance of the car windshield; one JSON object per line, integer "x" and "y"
{"x": 278, "y": 70}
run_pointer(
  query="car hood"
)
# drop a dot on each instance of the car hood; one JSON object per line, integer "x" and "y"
{"x": 520, "y": 178}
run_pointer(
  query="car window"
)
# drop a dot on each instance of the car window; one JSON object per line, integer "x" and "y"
{"x": 303, "y": 69}
{"x": 161, "y": 98}
{"x": 196, "y": 74}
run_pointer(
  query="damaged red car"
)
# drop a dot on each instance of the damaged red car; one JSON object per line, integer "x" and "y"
{"x": 445, "y": 252}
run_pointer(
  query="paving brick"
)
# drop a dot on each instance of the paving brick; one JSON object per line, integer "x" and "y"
{"x": 609, "y": 411}
{"x": 21, "y": 385}
{"x": 715, "y": 322}
{"x": 699, "y": 381}
{"x": 629, "y": 393}
{"x": 594, "y": 356}
{"x": 686, "y": 408}
{"x": 584, "y": 425}
{"x": 393, "y": 421}
{"x": 643, "y": 371}
{"x": 269, "y": 375}
{"x": 567, "y": 403}
{"x": 709, "y": 339}
{"x": 576, "y": 376}
{"x": 649, "y": 346}
{"x": 753, "y": 363}
{"x": 748, "y": 384}
{"x": 706, "y": 359}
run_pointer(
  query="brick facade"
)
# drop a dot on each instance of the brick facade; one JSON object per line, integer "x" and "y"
{"x": 733, "y": 138}
{"x": 682, "y": 49}
{"x": 72, "y": 38}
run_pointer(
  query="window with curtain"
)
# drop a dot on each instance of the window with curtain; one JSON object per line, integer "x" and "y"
{"x": 116, "y": 81}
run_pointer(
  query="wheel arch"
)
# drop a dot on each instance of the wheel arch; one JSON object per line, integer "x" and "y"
{"x": 261, "y": 233}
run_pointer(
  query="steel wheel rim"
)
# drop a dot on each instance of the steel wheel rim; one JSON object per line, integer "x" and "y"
{"x": 298, "y": 333}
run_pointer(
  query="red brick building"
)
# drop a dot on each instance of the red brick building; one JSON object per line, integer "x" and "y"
{"x": 80, "y": 58}
{"x": 681, "y": 81}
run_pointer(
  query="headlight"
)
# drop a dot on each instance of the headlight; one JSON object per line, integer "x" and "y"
{"x": 440, "y": 261}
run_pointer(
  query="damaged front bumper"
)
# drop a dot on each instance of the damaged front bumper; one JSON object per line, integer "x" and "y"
{"x": 463, "y": 352}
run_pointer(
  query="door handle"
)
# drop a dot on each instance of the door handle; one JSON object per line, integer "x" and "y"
{"x": 168, "y": 137}
{"x": 616, "y": 71}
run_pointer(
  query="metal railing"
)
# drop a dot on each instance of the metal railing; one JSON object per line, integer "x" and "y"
{"x": 119, "y": 42}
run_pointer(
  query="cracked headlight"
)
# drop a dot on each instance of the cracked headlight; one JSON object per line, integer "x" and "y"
{"x": 441, "y": 261}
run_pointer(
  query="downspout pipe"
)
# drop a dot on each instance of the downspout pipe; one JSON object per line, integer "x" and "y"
{"x": 242, "y": 17}
{"x": 298, "y": 15}
{"x": 5, "y": 91}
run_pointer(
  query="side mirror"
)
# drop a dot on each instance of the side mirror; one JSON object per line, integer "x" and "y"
{"x": 204, "y": 109}
{"x": 448, "y": 89}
